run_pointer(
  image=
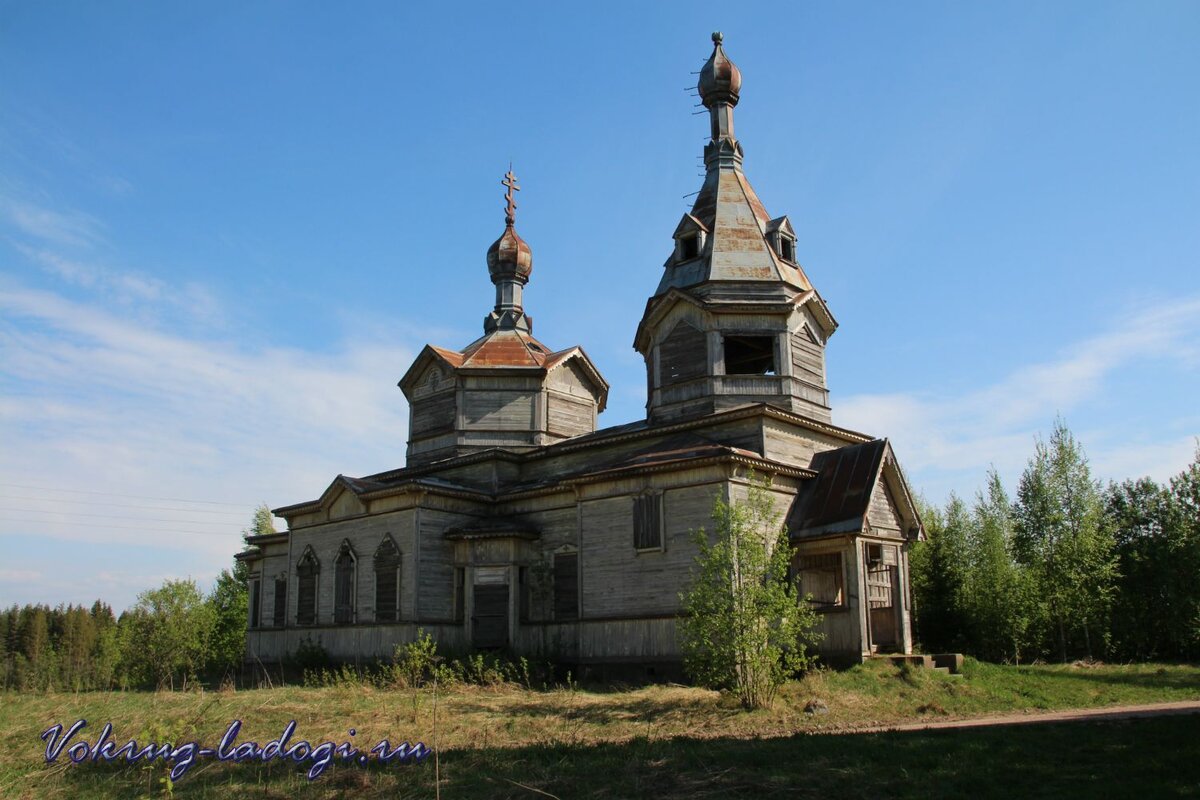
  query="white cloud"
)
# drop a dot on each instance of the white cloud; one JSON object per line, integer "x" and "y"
{"x": 948, "y": 442}
{"x": 96, "y": 403}
{"x": 71, "y": 228}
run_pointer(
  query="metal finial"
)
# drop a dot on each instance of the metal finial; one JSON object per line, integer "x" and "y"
{"x": 717, "y": 38}
{"x": 510, "y": 209}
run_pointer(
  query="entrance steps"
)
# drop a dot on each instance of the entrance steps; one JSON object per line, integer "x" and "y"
{"x": 945, "y": 663}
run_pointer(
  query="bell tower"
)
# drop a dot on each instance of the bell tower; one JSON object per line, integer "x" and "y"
{"x": 735, "y": 319}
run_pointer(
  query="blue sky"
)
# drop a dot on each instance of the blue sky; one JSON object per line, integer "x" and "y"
{"x": 227, "y": 228}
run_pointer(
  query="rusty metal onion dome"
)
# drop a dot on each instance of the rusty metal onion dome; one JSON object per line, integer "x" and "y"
{"x": 509, "y": 256}
{"x": 720, "y": 79}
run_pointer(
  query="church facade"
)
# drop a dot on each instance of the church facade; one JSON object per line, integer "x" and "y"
{"x": 517, "y": 524}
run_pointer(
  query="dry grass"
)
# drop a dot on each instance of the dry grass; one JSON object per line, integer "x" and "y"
{"x": 650, "y": 739}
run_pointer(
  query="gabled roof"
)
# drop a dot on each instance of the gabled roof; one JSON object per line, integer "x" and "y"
{"x": 688, "y": 224}
{"x": 781, "y": 224}
{"x": 837, "y": 500}
{"x": 505, "y": 349}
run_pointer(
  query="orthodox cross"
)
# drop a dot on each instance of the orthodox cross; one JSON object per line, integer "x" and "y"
{"x": 510, "y": 181}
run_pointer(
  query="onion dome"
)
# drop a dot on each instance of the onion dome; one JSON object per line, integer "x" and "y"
{"x": 509, "y": 256}
{"x": 720, "y": 79}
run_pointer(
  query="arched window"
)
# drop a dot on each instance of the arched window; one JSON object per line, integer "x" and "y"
{"x": 343, "y": 585}
{"x": 307, "y": 572}
{"x": 387, "y": 581}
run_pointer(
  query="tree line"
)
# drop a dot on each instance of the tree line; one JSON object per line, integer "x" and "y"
{"x": 173, "y": 636}
{"x": 1066, "y": 569}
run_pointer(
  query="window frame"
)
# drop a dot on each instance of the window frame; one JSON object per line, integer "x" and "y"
{"x": 655, "y": 499}
{"x": 345, "y": 550}
{"x": 770, "y": 336}
{"x": 381, "y": 565}
{"x": 279, "y": 612}
{"x": 255, "y": 603}
{"x": 310, "y": 562}
{"x": 573, "y": 614}
{"x": 839, "y": 573}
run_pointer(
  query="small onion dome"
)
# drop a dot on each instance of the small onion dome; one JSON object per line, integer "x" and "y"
{"x": 720, "y": 79}
{"x": 509, "y": 256}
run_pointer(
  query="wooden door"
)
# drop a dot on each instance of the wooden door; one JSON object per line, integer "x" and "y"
{"x": 881, "y": 604}
{"x": 489, "y": 616}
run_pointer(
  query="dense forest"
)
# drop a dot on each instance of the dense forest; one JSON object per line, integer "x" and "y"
{"x": 173, "y": 636}
{"x": 1066, "y": 569}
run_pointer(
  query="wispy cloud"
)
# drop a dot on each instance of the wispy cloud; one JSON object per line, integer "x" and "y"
{"x": 947, "y": 442}
{"x": 95, "y": 402}
{"x": 149, "y": 296}
{"x": 64, "y": 228}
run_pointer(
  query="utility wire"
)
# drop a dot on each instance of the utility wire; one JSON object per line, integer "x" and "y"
{"x": 132, "y": 496}
{"x": 21, "y": 498}
{"x": 124, "y": 527}
{"x": 119, "y": 516}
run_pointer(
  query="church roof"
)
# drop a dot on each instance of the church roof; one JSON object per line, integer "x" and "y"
{"x": 505, "y": 348}
{"x": 837, "y": 500}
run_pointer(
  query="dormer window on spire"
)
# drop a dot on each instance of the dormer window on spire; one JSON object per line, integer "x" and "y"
{"x": 690, "y": 235}
{"x": 782, "y": 237}
{"x": 787, "y": 248}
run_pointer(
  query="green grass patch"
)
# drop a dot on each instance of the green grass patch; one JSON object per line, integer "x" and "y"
{"x": 658, "y": 741}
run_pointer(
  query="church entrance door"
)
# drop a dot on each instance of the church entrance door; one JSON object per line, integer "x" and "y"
{"x": 489, "y": 617}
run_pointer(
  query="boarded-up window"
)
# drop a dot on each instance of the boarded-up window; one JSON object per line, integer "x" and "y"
{"x": 821, "y": 577}
{"x": 683, "y": 355}
{"x": 280, "y": 615}
{"x": 523, "y": 594}
{"x": 460, "y": 600}
{"x": 433, "y": 415}
{"x": 566, "y": 586}
{"x": 255, "y": 602}
{"x": 343, "y": 585}
{"x": 647, "y": 522}
{"x": 306, "y": 595}
{"x": 505, "y": 411}
{"x": 387, "y": 581}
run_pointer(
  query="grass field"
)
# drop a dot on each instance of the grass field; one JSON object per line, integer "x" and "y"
{"x": 661, "y": 741}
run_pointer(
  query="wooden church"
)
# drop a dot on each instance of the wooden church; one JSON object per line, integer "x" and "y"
{"x": 516, "y": 523}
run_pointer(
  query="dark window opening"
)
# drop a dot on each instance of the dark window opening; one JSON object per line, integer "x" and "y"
{"x": 689, "y": 247}
{"x": 787, "y": 249}
{"x": 523, "y": 594}
{"x": 255, "y": 602}
{"x": 280, "y": 615}
{"x": 387, "y": 581}
{"x": 821, "y": 579}
{"x": 566, "y": 586}
{"x": 750, "y": 355}
{"x": 460, "y": 593}
{"x": 343, "y": 586}
{"x": 647, "y": 522}
{"x": 306, "y": 594}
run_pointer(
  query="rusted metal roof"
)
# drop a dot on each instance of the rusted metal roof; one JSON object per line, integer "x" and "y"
{"x": 836, "y": 501}
{"x": 505, "y": 348}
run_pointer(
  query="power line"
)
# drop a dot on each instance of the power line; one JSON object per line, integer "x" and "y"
{"x": 117, "y": 505}
{"x": 132, "y": 496}
{"x": 116, "y": 516}
{"x": 122, "y": 527}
